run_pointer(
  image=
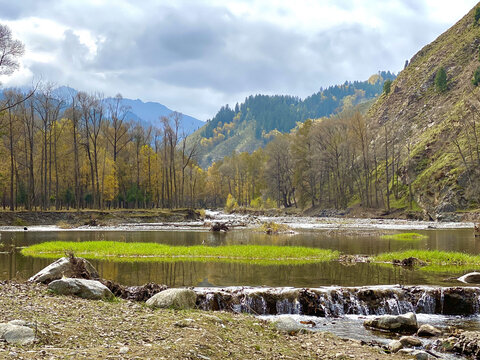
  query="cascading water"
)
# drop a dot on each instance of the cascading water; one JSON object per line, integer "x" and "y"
{"x": 337, "y": 301}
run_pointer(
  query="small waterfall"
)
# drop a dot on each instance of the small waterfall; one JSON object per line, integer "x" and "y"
{"x": 426, "y": 304}
{"x": 336, "y": 301}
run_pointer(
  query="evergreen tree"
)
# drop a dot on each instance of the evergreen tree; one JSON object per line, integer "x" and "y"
{"x": 387, "y": 86}
{"x": 476, "y": 77}
{"x": 441, "y": 80}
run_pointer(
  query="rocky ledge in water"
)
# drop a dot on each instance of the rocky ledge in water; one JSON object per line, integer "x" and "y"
{"x": 338, "y": 301}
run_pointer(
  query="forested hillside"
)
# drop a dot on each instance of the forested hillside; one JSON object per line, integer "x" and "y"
{"x": 247, "y": 126}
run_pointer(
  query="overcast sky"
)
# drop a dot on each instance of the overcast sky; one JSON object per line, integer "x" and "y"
{"x": 194, "y": 56}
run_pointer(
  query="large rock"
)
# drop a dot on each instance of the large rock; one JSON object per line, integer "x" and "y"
{"x": 86, "y": 289}
{"x": 71, "y": 267}
{"x": 410, "y": 341}
{"x": 288, "y": 325}
{"x": 427, "y": 330}
{"x": 395, "y": 323}
{"x": 470, "y": 278}
{"x": 174, "y": 299}
{"x": 16, "y": 334}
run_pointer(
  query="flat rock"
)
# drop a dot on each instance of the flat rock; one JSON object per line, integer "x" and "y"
{"x": 173, "y": 299}
{"x": 395, "y": 323}
{"x": 16, "y": 334}
{"x": 287, "y": 324}
{"x": 470, "y": 278}
{"x": 86, "y": 289}
{"x": 410, "y": 341}
{"x": 427, "y": 330}
{"x": 66, "y": 267}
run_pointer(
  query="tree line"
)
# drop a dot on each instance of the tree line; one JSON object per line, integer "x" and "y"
{"x": 82, "y": 151}
{"x": 328, "y": 162}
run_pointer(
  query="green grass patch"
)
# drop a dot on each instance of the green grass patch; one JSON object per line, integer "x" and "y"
{"x": 128, "y": 252}
{"x": 411, "y": 236}
{"x": 433, "y": 258}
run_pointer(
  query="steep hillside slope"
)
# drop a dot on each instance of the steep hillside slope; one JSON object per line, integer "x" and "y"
{"x": 437, "y": 130}
{"x": 246, "y": 127}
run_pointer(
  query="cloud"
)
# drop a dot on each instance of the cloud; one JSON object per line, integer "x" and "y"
{"x": 194, "y": 56}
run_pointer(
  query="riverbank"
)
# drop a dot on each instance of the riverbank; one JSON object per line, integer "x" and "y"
{"x": 182, "y": 219}
{"x": 71, "y": 327}
{"x": 72, "y": 218}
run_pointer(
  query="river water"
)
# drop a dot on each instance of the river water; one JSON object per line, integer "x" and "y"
{"x": 186, "y": 273}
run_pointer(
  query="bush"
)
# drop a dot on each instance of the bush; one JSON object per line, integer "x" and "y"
{"x": 231, "y": 203}
{"x": 476, "y": 77}
{"x": 270, "y": 204}
{"x": 441, "y": 80}
{"x": 477, "y": 14}
{"x": 256, "y": 203}
{"x": 387, "y": 85}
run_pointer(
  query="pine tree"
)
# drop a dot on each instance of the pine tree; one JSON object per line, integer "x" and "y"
{"x": 441, "y": 80}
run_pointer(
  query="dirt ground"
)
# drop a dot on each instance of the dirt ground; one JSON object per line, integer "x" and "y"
{"x": 73, "y": 328}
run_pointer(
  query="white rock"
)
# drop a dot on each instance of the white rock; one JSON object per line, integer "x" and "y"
{"x": 86, "y": 289}
{"x": 173, "y": 299}
{"x": 63, "y": 267}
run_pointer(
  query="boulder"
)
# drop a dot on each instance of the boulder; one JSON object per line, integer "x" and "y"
{"x": 173, "y": 299}
{"x": 394, "y": 346}
{"x": 16, "y": 334}
{"x": 410, "y": 341}
{"x": 86, "y": 289}
{"x": 428, "y": 330}
{"x": 395, "y": 323}
{"x": 71, "y": 267}
{"x": 287, "y": 324}
{"x": 470, "y": 278}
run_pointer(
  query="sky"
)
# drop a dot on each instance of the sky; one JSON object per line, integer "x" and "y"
{"x": 196, "y": 55}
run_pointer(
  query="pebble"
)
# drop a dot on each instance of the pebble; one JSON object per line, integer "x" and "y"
{"x": 123, "y": 350}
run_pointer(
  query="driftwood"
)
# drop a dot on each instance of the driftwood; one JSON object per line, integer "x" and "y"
{"x": 135, "y": 293}
{"x": 219, "y": 227}
{"x": 409, "y": 262}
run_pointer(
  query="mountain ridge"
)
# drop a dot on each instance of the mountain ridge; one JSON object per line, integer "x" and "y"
{"x": 146, "y": 113}
{"x": 249, "y": 125}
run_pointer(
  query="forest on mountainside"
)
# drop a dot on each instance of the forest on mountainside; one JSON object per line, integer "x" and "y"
{"x": 250, "y": 125}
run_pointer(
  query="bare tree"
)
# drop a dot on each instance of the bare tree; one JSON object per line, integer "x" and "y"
{"x": 10, "y": 51}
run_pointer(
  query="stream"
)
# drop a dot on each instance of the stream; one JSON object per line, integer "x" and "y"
{"x": 331, "y": 295}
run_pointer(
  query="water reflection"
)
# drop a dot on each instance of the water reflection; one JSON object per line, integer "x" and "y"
{"x": 15, "y": 266}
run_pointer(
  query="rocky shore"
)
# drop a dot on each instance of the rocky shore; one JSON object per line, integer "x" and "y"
{"x": 71, "y": 327}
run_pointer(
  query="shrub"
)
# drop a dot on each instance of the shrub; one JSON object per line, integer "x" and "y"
{"x": 441, "y": 80}
{"x": 270, "y": 204}
{"x": 231, "y": 203}
{"x": 256, "y": 203}
{"x": 477, "y": 14}
{"x": 387, "y": 85}
{"x": 476, "y": 77}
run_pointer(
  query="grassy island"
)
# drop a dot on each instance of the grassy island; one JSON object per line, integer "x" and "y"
{"x": 136, "y": 251}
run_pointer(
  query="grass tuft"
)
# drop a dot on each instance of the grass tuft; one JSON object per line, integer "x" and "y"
{"x": 432, "y": 257}
{"x": 125, "y": 252}
{"x": 405, "y": 237}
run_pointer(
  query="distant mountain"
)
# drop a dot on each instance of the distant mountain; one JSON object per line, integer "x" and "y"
{"x": 244, "y": 127}
{"x": 146, "y": 113}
